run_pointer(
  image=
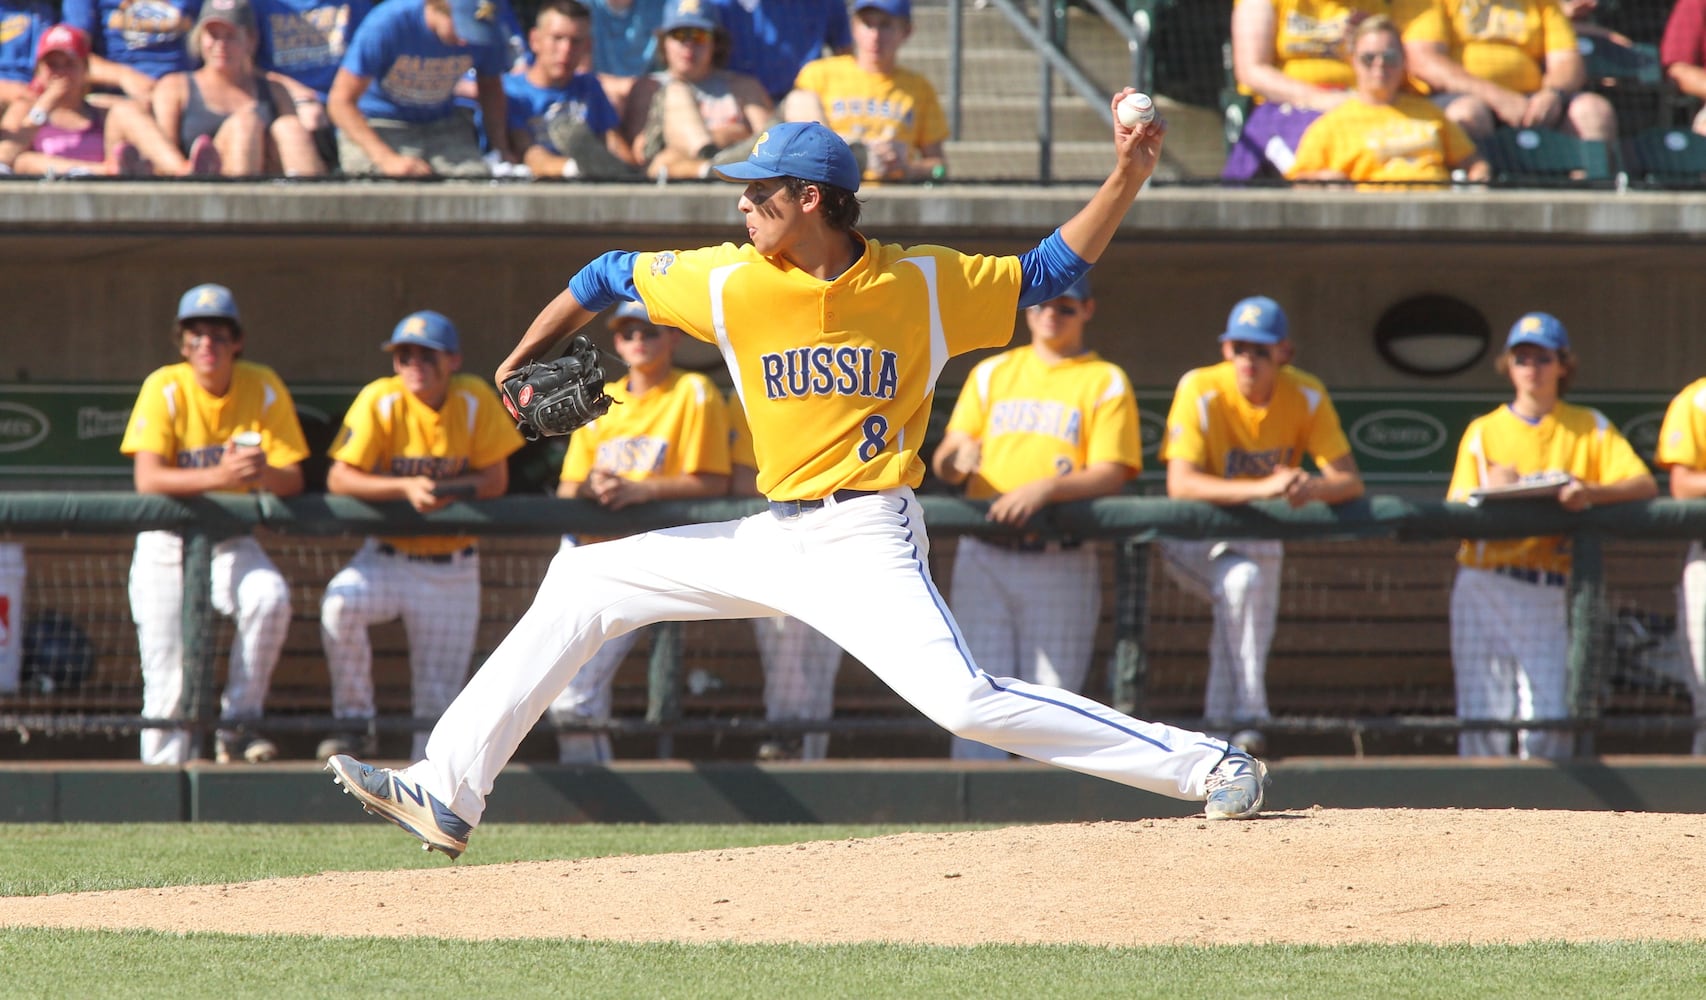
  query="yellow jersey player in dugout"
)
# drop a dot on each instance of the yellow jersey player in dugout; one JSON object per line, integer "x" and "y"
{"x": 834, "y": 342}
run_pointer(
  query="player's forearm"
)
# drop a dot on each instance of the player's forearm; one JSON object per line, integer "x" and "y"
{"x": 283, "y": 482}
{"x": 1104, "y": 479}
{"x": 1090, "y": 231}
{"x": 1194, "y": 484}
{"x": 1337, "y": 488}
{"x": 561, "y": 317}
{"x": 1686, "y": 483}
{"x": 174, "y": 482}
{"x": 687, "y": 486}
{"x": 1642, "y": 487}
{"x": 370, "y": 487}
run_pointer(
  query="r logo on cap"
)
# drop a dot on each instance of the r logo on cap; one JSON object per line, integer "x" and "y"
{"x": 1250, "y": 315}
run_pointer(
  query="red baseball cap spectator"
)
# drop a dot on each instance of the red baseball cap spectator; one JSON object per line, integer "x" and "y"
{"x": 64, "y": 38}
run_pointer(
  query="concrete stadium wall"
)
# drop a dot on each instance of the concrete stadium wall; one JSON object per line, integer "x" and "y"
{"x": 91, "y": 272}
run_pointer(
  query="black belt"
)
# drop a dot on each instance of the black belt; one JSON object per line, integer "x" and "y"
{"x": 794, "y": 508}
{"x": 442, "y": 559}
{"x": 1534, "y": 576}
{"x": 1031, "y": 543}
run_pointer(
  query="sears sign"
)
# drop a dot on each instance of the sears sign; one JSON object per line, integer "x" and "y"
{"x": 21, "y": 427}
{"x": 1398, "y": 434}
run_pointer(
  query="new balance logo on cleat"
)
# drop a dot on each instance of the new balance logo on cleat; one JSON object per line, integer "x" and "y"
{"x": 383, "y": 792}
{"x": 1234, "y": 787}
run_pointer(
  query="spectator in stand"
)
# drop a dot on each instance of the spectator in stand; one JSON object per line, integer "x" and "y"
{"x": 693, "y": 115}
{"x": 145, "y": 35}
{"x": 211, "y": 423}
{"x": 668, "y": 440}
{"x": 1238, "y": 432}
{"x": 800, "y": 663}
{"x": 22, "y": 23}
{"x": 393, "y": 100}
{"x": 1291, "y": 57}
{"x": 560, "y": 122}
{"x": 247, "y": 115}
{"x": 1683, "y": 53}
{"x": 427, "y": 435}
{"x": 1513, "y": 64}
{"x": 1038, "y": 425}
{"x": 57, "y": 130}
{"x": 889, "y": 115}
{"x": 1510, "y": 632}
{"x": 1682, "y": 452}
{"x": 305, "y": 41}
{"x": 624, "y": 36}
{"x": 1383, "y": 133}
{"x": 772, "y": 40}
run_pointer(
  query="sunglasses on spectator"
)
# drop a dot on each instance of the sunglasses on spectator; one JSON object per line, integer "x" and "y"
{"x": 691, "y": 36}
{"x": 642, "y": 330}
{"x": 1066, "y": 307}
{"x": 1261, "y": 352}
{"x": 410, "y": 355}
{"x": 1538, "y": 359}
{"x": 1388, "y": 56}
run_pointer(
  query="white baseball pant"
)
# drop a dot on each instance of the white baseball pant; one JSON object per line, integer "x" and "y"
{"x": 800, "y": 664}
{"x": 1241, "y": 579}
{"x": 856, "y": 570}
{"x": 246, "y": 587}
{"x": 1691, "y": 613}
{"x": 439, "y": 603}
{"x": 1510, "y": 647}
{"x": 1026, "y": 615}
{"x": 588, "y": 697}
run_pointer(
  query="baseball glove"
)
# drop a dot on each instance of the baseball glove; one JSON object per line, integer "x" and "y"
{"x": 553, "y": 398}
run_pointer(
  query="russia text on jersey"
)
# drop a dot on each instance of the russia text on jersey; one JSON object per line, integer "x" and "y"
{"x": 825, "y": 371}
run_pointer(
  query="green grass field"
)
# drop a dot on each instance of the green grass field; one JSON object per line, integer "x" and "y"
{"x": 66, "y": 858}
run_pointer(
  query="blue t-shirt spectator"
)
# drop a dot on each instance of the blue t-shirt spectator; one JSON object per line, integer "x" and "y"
{"x": 22, "y": 23}
{"x": 533, "y": 107}
{"x": 146, "y": 35}
{"x": 414, "y": 74}
{"x": 624, "y": 44}
{"x": 306, "y": 39}
{"x": 772, "y": 39}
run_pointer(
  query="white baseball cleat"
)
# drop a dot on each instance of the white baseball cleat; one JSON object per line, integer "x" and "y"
{"x": 387, "y": 793}
{"x": 1234, "y": 787}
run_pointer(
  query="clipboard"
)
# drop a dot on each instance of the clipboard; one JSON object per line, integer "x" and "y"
{"x": 1535, "y": 487}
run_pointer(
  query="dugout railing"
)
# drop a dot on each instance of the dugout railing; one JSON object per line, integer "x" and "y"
{"x": 1658, "y": 529}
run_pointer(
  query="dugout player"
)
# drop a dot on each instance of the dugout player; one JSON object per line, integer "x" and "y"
{"x": 1509, "y": 618}
{"x": 426, "y": 435}
{"x": 834, "y": 342}
{"x": 1682, "y": 450}
{"x": 211, "y": 423}
{"x": 1238, "y": 431}
{"x": 1040, "y": 424}
{"x": 665, "y": 438}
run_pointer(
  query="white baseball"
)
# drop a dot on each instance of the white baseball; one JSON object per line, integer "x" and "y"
{"x": 1136, "y": 109}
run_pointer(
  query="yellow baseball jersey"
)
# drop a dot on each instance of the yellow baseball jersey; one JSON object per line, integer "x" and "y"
{"x": 1682, "y": 437}
{"x": 1035, "y": 419}
{"x": 1312, "y": 39}
{"x": 1573, "y": 439}
{"x": 836, "y": 377}
{"x": 388, "y": 431}
{"x": 740, "y": 435}
{"x": 677, "y": 427}
{"x": 1407, "y": 140}
{"x": 1213, "y": 426}
{"x": 1505, "y": 41}
{"x": 859, "y": 105}
{"x": 183, "y": 423}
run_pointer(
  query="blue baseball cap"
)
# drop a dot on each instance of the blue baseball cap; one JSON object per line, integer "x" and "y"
{"x": 425, "y": 329}
{"x": 476, "y": 21}
{"x": 626, "y": 311}
{"x": 1256, "y": 320}
{"x": 208, "y": 302}
{"x": 690, "y": 14}
{"x": 1541, "y": 330}
{"x": 898, "y": 8}
{"x": 806, "y": 150}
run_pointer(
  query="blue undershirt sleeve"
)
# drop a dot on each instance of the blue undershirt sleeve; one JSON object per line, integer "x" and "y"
{"x": 606, "y": 280}
{"x": 1048, "y": 270}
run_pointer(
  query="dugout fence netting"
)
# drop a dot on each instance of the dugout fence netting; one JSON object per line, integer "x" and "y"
{"x": 1361, "y": 659}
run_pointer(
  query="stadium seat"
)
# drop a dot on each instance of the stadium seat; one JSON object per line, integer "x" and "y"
{"x": 1668, "y": 157}
{"x": 1543, "y": 157}
{"x": 1611, "y": 65}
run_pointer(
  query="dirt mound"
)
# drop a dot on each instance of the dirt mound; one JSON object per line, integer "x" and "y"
{"x": 1320, "y": 876}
